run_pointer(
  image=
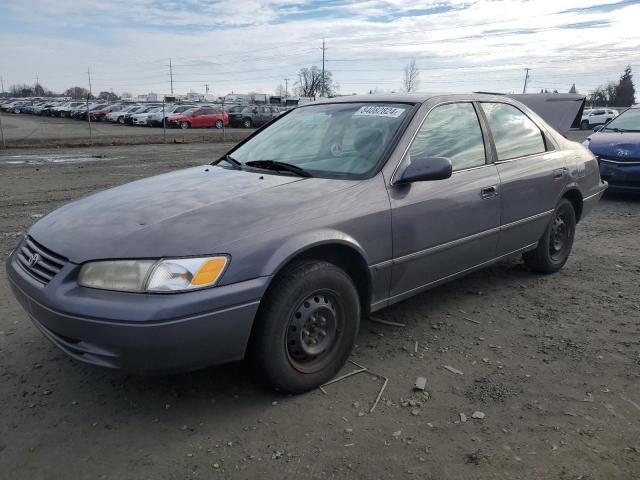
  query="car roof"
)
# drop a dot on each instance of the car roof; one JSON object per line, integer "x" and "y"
{"x": 414, "y": 97}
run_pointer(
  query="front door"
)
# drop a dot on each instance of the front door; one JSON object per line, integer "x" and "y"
{"x": 442, "y": 228}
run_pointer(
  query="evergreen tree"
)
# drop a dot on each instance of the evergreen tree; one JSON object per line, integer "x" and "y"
{"x": 625, "y": 92}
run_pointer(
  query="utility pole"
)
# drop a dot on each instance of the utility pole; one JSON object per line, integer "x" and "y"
{"x": 206, "y": 88}
{"x": 322, "y": 88}
{"x": 2, "y": 83}
{"x": 88, "y": 113}
{"x": 171, "y": 76}
{"x": 526, "y": 80}
{"x": 286, "y": 90}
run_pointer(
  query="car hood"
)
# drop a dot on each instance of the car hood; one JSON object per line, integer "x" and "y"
{"x": 189, "y": 212}
{"x": 625, "y": 145}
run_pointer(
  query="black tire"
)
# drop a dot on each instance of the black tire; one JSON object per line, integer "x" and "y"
{"x": 185, "y": 125}
{"x": 555, "y": 245}
{"x": 247, "y": 123}
{"x": 121, "y": 120}
{"x": 306, "y": 327}
{"x": 584, "y": 125}
{"x": 219, "y": 124}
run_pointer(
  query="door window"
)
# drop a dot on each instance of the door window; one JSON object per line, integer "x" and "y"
{"x": 514, "y": 134}
{"x": 451, "y": 131}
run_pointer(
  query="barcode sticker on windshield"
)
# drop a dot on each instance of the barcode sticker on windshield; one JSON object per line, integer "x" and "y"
{"x": 378, "y": 111}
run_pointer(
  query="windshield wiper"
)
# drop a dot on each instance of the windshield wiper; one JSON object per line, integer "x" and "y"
{"x": 278, "y": 166}
{"x": 235, "y": 164}
{"x": 616, "y": 129}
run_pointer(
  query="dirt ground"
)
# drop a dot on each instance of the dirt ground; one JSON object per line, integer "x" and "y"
{"x": 33, "y": 131}
{"x": 553, "y": 363}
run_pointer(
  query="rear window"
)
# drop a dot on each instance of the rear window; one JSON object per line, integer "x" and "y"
{"x": 514, "y": 134}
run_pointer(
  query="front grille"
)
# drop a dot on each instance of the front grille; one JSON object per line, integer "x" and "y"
{"x": 38, "y": 261}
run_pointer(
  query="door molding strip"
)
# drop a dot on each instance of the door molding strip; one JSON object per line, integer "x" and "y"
{"x": 457, "y": 242}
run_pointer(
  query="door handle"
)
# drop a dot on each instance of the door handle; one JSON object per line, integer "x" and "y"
{"x": 558, "y": 173}
{"x": 489, "y": 192}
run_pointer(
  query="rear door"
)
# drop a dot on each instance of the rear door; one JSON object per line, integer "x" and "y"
{"x": 533, "y": 175}
{"x": 442, "y": 228}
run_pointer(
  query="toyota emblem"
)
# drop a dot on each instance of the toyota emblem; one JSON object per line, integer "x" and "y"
{"x": 33, "y": 259}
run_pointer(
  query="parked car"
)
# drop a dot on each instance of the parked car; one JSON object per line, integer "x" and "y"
{"x": 155, "y": 119}
{"x": 596, "y": 116}
{"x": 617, "y": 146}
{"x": 201, "y": 117}
{"x": 14, "y": 107}
{"x": 120, "y": 117}
{"x": 280, "y": 247}
{"x": 128, "y": 117}
{"x": 46, "y": 109}
{"x": 252, "y": 116}
{"x": 99, "y": 115}
{"x": 65, "y": 109}
{"x": 141, "y": 118}
{"x": 80, "y": 113}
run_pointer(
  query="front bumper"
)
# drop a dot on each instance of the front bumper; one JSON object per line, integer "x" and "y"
{"x": 621, "y": 176}
{"x": 145, "y": 333}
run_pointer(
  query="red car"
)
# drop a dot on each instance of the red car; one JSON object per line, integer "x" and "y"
{"x": 204, "y": 117}
{"x": 99, "y": 115}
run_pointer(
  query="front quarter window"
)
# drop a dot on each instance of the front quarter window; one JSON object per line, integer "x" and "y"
{"x": 344, "y": 140}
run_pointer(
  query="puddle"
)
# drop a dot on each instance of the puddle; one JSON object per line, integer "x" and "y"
{"x": 53, "y": 158}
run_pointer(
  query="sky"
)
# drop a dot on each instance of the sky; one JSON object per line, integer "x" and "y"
{"x": 246, "y": 46}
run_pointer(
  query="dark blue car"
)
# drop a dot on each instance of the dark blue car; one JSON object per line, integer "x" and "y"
{"x": 617, "y": 146}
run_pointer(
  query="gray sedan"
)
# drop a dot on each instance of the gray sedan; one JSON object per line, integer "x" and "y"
{"x": 277, "y": 250}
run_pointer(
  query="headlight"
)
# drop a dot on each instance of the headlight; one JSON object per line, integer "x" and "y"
{"x": 166, "y": 275}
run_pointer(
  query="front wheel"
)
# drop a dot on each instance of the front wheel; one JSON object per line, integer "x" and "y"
{"x": 219, "y": 124}
{"x": 557, "y": 240}
{"x": 306, "y": 327}
{"x": 184, "y": 125}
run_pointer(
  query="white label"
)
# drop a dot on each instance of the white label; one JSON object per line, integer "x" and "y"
{"x": 378, "y": 111}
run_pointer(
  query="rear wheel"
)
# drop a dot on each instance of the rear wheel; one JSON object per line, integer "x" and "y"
{"x": 247, "y": 123}
{"x": 306, "y": 328}
{"x": 557, "y": 240}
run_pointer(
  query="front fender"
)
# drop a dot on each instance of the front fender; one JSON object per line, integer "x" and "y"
{"x": 297, "y": 245}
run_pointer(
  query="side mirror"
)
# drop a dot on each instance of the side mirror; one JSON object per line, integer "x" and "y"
{"x": 423, "y": 169}
{"x": 598, "y": 128}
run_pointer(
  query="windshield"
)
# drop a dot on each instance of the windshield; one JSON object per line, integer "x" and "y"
{"x": 334, "y": 140}
{"x": 628, "y": 121}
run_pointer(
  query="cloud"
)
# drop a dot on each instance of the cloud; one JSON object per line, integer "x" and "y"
{"x": 251, "y": 45}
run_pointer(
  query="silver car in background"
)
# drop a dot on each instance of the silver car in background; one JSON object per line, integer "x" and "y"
{"x": 278, "y": 249}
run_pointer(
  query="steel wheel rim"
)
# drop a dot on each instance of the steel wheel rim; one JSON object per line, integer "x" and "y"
{"x": 312, "y": 331}
{"x": 559, "y": 236}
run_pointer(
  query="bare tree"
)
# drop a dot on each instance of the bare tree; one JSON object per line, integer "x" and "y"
{"x": 77, "y": 93}
{"x": 411, "y": 78}
{"x": 309, "y": 83}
